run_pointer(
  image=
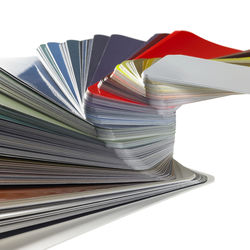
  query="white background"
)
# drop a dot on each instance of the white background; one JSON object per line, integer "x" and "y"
{"x": 212, "y": 136}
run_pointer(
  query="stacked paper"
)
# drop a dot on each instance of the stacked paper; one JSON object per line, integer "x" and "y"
{"x": 90, "y": 125}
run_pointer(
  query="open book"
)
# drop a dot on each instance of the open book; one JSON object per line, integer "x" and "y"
{"x": 90, "y": 125}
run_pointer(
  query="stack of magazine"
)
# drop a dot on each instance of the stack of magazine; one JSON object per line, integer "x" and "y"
{"x": 90, "y": 125}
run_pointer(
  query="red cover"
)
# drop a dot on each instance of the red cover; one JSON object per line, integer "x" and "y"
{"x": 186, "y": 43}
{"x": 95, "y": 90}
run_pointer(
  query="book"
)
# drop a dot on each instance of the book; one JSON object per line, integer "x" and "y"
{"x": 90, "y": 125}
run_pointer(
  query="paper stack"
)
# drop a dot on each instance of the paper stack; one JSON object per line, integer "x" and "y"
{"x": 90, "y": 125}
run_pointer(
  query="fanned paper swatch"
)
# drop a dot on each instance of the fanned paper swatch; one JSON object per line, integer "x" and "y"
{"x": 90, "y": 125}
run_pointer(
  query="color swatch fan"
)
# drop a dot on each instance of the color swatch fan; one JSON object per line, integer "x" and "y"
{"x": 90, "y": 125}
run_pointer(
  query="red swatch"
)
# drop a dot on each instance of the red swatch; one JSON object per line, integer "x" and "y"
{"x": 95, "y": 90}
{"x": 186, "y": 43}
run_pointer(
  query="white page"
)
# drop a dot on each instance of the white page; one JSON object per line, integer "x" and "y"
{"x": 197, "y": 72}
